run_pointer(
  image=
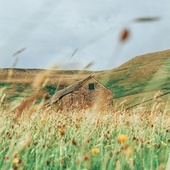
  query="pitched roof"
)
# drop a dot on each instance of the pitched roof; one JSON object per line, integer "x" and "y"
{"x": 57, "y": 96}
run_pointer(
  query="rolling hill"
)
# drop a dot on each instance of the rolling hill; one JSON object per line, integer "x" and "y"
{"x": 142, "y": 77}
{"x": 135, "y": 81}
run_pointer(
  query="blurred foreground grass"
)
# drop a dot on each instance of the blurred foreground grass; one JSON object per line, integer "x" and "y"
{"x": 44, "y": 139}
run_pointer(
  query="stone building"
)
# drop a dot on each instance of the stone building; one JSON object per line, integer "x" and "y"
{"x": 82, "y": 95}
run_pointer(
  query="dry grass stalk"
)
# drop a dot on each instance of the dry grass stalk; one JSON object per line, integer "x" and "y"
{"x": 26, "y": 103}
{"x": 158, "y": 94}
{"x": 43, "y": 77}
{"x": 2, "y": 98}
{"x": 124, "y": 35}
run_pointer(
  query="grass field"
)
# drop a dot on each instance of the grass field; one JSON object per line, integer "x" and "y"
{"x": 123, "y": 140}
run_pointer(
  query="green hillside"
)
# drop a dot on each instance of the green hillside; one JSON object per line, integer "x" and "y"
{"x": 135, "y": 81}
{"x": 145, "y": 74}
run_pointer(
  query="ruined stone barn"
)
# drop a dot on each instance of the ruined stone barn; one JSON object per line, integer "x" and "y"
{"x": 82, "y": 95}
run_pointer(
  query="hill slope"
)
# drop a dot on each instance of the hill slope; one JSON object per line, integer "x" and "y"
{"x": 135, "y": 80}
{"x": 143, "y": 74}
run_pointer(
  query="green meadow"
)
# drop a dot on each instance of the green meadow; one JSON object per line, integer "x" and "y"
{"x": 124, "y": 140}
{"x": 135, "y": 135}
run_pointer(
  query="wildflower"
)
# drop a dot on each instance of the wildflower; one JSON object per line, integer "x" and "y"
{"x": 95, "y": 151}
{"x": 122, "y": 138}
{"x": 16, "y": 160}
{"x": 43, "y": 120}
{"x": 128, "y": 152}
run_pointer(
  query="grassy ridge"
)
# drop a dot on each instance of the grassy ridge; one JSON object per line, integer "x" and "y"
{"x": 146, "y": 73}
{"x": 137, "y": 77}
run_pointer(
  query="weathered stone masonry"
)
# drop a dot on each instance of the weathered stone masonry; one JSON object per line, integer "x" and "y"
{"x": 83, "y": 95}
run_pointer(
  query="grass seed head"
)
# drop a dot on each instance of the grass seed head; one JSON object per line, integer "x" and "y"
{"x": 6, "y": 157}
{"x": 86, "y": 157}
{"x": 73, "y": 141}
{"x": 111, "y": 153}
{"x": 61, "y": 132}
{"x": 124, "y": 35}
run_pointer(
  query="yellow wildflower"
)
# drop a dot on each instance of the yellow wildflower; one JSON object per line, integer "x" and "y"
{"x": 16, "y": 160}
{"x": 122, "y": 138}
{"x": 43, "y": 120}
{"x": 128, "y": 152}
{"x": 95, "y": 151}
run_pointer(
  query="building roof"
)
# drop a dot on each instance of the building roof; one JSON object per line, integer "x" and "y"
{"x": 57, "y": 96}
{"x": 61, "y": 93}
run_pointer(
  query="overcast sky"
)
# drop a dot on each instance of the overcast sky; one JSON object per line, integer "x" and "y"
{"x": 51, "y": 30}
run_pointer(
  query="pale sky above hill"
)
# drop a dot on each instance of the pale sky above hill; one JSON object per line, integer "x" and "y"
{"x": 51, "y": 30}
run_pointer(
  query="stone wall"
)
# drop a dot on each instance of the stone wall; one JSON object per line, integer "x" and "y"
{"x": 100, "y": 99}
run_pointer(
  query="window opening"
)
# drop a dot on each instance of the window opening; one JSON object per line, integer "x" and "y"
{"x": 91, "y": 86}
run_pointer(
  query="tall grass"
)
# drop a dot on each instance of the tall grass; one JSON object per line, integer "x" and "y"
{"x": 34, "y": 137}
{"x": 124, "y": 140}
